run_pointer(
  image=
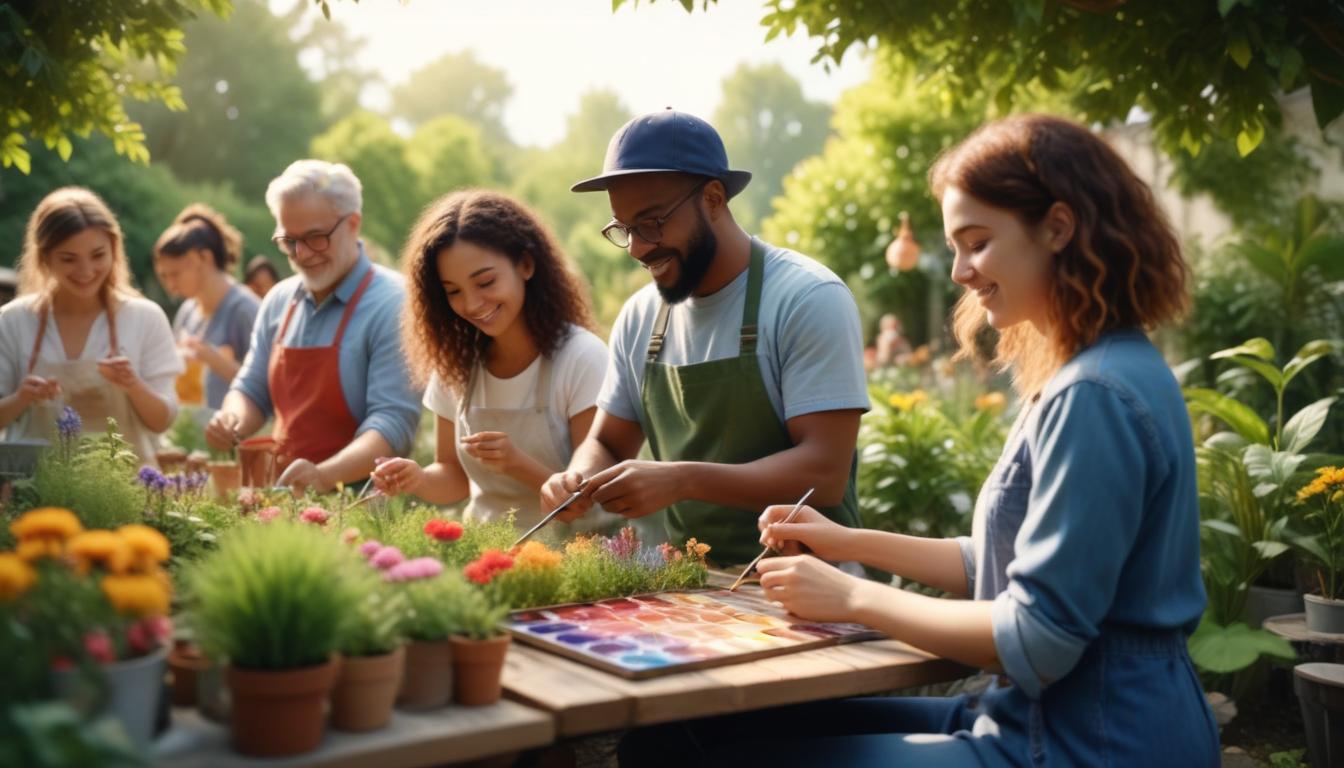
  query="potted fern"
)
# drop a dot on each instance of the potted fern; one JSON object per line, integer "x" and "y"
{"x": 272, "y": 602}
{"x": 372, "y": 658}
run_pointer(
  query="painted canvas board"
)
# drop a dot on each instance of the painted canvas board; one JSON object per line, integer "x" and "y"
{"x": 651, "y": 635}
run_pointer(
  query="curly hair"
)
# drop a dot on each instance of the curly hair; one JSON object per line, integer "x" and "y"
{"x": 1122, "y": 269}
{"x": 437, "y": 339}
{"x": 60, "y": 216}
{"x": 200, "y": 226}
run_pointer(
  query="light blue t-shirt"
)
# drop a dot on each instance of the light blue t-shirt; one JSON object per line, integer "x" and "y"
{"x": 374, "y": 377}
{"x": 810, "y": 346}
{"x": 230, "y": 326}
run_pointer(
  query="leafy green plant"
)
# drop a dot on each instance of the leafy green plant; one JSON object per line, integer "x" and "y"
{"x": 1324, "y": 496}
{"x": 273, "y": 596}
{"x": 375, "y": 618}
{"x": 92, "y": 476}
{"x": 474, "y": 615}
{"x": 429, "y": 614}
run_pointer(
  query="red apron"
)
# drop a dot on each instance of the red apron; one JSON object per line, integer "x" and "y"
{"x": 312, "y": 419}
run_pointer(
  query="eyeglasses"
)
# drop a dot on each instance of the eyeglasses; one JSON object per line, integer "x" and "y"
{"x": 318, "y": 241}
{"x": 649, "y": 230}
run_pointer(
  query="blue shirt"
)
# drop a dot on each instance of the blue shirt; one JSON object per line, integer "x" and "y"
{"x": 374, "y": 378}
{"x": 1091, "y": 517}
{"x": 810, "y": 346}
{"x": 230, "y": 326}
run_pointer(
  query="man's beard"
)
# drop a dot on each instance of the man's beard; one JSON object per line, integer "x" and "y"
{"x": 692, "y": 267}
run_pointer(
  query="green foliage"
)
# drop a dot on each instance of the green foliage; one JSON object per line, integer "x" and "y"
{"x": 474, "y": 615}
{"x": 1201, "y": 68}
{"x": 1324, "y": 501}
{"x": 186, "y": 432}
{"x": 68, "y": 68}
{"x": 1224, "y": 649}
{"x": 95, "y": 479}
{"x": 1257, "y": 191}
{"x": 63, "y": 608}
{"x": 594, "y": 569}
{"x": 768, "y": 126}
{"x": 250, "y": 107}
{"x": 431, "y": 606}
{"x": 376, "y": 617}
{"x": 448, "y": 153}
{"x": 920, "y": 468}
{"x": 456, "y": 84}
{"x": 379, "y": 157}
{"x": 52, "y": 734}
{"x": 273, "y": 596}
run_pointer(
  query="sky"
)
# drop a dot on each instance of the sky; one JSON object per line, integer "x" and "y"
{"x": 553, "y": 51}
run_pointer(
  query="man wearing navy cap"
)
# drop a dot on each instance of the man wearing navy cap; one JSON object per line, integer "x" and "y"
{"x": 742, "y": 364}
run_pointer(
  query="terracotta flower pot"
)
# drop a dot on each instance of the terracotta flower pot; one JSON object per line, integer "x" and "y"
{"x": 186, "y": 662}
{"x": 428, "y": 679}
{"x": 256, "y": 459}
{"x": 225, "y": 476}
{"x": 170, "y": 459}
{"x": 366, "y": 689}
{"x": 477, "y": 668}
{"x": 279, "y": 712}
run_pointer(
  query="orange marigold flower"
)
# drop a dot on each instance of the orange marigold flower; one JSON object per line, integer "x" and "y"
{"x": 137, "y": 594}
{"x": 534, "y": 554}
{"x": 16, "y": 576}
{"x": 34, "y": 549}
{"x": 46, "y": 522}
{"x": 148, "y": 546}
{"x": 1327, "y": 481}
{"x": 99, "y": 547}
{"x": 696, "y": 550}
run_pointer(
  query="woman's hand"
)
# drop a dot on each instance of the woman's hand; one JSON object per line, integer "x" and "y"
{"x": 821, "y": 536}
{"x": 393, "y": 476}
{"x": 808, "y": 588}
{"x": 35, "y": 388}
{"x": 493, "y": 449}
{"x": 118, "y": 370}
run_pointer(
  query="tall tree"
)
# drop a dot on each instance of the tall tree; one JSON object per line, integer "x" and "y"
{"x": 378, "y": 156}
{"x": 448, "y": 153}
{"x": 69, "y": 67}
{"x": 456, "y": 84}
{"x": 1201, "y": 68}
{"x": 768, "y": 126}
{"x": 251, "y": 109}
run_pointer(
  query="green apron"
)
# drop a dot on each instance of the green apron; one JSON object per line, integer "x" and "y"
{"x": 719, "y": 411}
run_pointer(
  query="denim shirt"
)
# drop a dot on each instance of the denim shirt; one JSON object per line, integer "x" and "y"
{"x": 1090, "y": 518}
{"x": 374, "y": 378}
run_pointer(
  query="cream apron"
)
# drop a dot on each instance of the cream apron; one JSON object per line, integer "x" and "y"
{"x": 95, "y": 399}
{"x": 532, "y": 431}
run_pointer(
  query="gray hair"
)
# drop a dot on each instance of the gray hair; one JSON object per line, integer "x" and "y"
{"x": 333, "y": 181}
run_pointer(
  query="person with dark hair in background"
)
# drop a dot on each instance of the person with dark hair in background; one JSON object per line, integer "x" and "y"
{"x": 193, "y": 259}
{"x": 260, "y": 276}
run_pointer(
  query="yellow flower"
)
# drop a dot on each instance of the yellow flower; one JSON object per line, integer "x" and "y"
{"x": 137, "y": 594}
{"x": 696, "y": 549}
{"x": 581, "y": 545}
{"x": 16, "y": 576}
{"x": 994, "y": 402}
{"x": 905, "y": 403}
{"x": 33, "y": 549}
{"x": 148, "y": 546}
{"x": 1327, "y": 481}
{"x": 534, "y": 554}
{"x": 100, "y": 547}
{"x": 46, "y": 523}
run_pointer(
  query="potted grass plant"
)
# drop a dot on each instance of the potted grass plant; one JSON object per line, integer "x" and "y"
{"x": 273, "y": 603}
{"x": 479, "y": 646}
{"x": 372, "y": 657}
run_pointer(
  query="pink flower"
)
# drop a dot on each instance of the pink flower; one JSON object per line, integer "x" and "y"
{"x": 249, "y": 497}
{"x": 268, "y": 514}
{"x": 369, "y": 548}
{"x": 412, "y": 570}
{"x": 99, "y": 647}
{"x": 387, "y": 557}
{"x": 315, "y": 515}
{"x": 145, "y": 636}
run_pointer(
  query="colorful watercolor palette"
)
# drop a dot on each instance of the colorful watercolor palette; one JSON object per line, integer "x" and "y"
{"x": 650, "y": 635}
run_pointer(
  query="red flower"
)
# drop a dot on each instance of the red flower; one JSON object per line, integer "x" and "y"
{"x": 99, "y": 647}
{"x": 443, "y": 530}
{"x": 315, "y": 515}
{"x": 484, "y": 568}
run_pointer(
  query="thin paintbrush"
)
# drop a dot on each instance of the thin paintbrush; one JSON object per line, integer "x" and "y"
{"x": 766, "y": 551}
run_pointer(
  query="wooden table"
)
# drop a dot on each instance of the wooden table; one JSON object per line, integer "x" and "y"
{"x": 585, "y": 700}
{"x": 449, "y": 735}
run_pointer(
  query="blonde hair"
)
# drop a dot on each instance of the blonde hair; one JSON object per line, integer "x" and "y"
{"x": 60, "y": 216}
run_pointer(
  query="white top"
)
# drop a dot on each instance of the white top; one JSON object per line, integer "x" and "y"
{"x": 143, "y": 332}
{"x": 576, "y": 378}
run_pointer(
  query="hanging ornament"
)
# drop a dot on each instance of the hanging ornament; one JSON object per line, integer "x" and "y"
{"x": 903, "y": 253}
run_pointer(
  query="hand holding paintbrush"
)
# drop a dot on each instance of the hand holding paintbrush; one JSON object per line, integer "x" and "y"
{"x": 788, "y": 519}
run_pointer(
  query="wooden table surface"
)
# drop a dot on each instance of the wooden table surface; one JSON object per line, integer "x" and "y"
{"x": 585, "y": 700}
{"x": 437, "y": 737}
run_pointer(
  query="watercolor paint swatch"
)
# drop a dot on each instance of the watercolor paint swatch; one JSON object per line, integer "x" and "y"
{"x": 650, "y": 635}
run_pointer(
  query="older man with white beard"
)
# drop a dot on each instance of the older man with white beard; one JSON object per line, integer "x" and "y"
{"x": 326, "y": 357}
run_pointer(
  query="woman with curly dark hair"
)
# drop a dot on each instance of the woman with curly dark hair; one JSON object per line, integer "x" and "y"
{"x": 1080, "y": 583}
{"x": 497, "y": 325}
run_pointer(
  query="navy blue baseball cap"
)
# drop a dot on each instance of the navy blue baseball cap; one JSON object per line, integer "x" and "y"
{"x": 666, "y": 141}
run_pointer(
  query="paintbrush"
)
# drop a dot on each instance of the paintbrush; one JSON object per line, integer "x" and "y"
{"x": 766, "y": 551}
{"x": 573, "y": 497}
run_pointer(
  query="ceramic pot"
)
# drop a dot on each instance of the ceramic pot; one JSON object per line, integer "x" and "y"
{"x": 478, "y": 666}
{"x": 366, "y": 689}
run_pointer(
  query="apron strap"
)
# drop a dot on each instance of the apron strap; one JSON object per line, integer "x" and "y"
{"x": 42, "y": 334}
{"x": 284, "y": 324}
{"x": 350, "y": 307}
{"x": 464, "y": 402}
{"x": 542, "y": 398}
{"x": 659, "y": 331}
{"x": 751, "y": 307}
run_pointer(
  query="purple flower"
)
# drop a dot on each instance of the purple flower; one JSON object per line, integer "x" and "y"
{"x": 152, "y": 478}
{"x": 622, "y": 546}
{"x": 68, "y": 424}
{"x": 412, "y": 570}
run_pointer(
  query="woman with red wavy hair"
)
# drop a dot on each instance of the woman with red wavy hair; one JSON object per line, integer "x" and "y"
{"x": 1080, "y": 583}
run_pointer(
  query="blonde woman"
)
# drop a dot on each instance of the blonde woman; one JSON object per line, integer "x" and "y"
{"x": 79, "y": 334}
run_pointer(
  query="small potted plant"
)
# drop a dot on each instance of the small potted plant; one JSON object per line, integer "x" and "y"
{"x": 372, "y": 658}
{"x": 225, "y": 472}
{"x": 478, "y": 643}
{"x": 96, "y": 602}
{"x": 1324, "y": 498}
{"x": 428, "y": 679}
{"x": 272, "y": 602}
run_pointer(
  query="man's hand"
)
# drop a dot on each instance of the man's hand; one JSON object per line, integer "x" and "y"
{"x": 559, "y": 487}
{"x": 222, "y": 430}
{"x": 303, "y": 474}
{"x": 637, "y": 488}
